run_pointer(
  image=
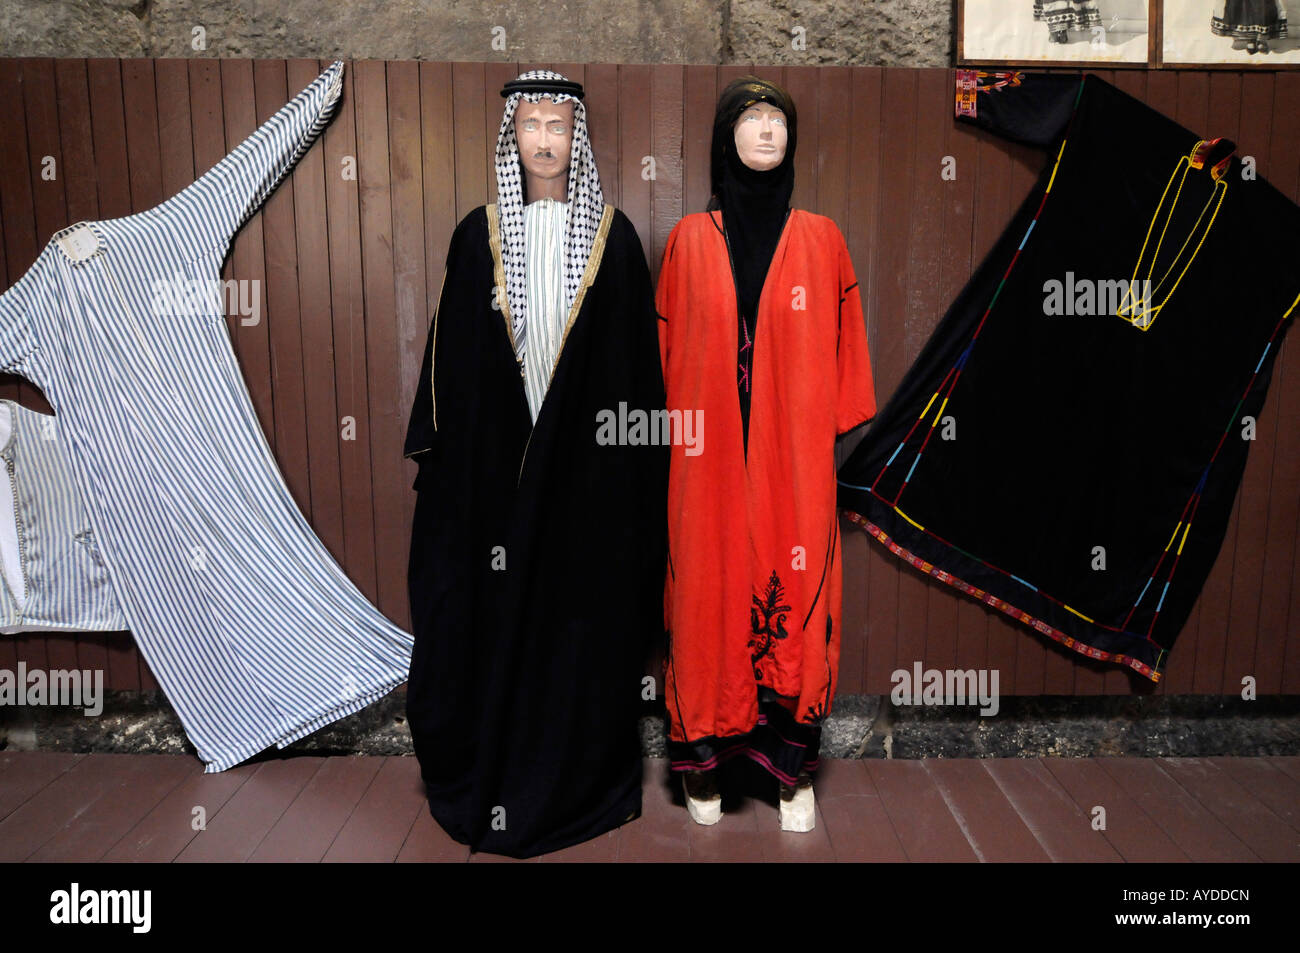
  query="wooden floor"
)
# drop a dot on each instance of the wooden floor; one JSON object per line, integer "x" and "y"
{"x": 92, "y": 807}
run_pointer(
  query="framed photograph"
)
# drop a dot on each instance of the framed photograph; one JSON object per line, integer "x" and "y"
{"x": 1239, "y": 34}
{"x": 1056, "y": 32}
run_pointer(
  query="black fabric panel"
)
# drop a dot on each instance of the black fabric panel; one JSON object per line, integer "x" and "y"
{"x": 1076, "y": 431}
{"x": 1035, "y": 112}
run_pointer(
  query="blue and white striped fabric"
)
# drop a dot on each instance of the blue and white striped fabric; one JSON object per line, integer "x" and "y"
{"x": 252, "y": 629}
{"x": 53, "y": 575}
{"x": 547, "y": 299}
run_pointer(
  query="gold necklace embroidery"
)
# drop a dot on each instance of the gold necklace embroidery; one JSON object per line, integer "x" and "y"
{"x": 1141, "y": 310}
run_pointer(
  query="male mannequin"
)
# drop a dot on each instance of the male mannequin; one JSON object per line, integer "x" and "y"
{"x": 753, "y": 601}
{"x": 537, "y": 553}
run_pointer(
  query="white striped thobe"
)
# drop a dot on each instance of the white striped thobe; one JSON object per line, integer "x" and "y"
{"x": 254, "y": 632}
{"x": 54, "y": 576}
{"x": 544, "y": 222}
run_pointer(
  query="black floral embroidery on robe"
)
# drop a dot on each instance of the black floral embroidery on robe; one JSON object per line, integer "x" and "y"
{"x": 761, "y": 614}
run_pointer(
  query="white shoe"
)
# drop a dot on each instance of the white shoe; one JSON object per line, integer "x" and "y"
{"x": 703, "y": 802}
{"x": 798, "y": 809}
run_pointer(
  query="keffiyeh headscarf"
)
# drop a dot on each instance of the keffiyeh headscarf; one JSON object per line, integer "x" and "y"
{"x": 586, "y": 201}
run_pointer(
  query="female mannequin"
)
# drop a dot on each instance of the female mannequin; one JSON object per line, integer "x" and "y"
{"x": 762, "y": 335}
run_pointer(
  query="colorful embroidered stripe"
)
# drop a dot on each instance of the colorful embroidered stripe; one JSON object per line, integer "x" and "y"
{"x": 1018, "y": 614}
{"x": 949, "y": 384}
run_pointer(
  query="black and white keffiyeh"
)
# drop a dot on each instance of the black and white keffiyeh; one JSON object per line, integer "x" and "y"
{"x": 586, "y": 204}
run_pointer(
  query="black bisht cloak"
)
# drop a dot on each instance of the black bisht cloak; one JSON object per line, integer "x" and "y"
{"x": 1077, "y": 431}
{"x": 525, "y": 684}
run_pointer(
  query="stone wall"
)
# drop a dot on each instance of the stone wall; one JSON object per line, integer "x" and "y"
{"x": 788, "y": 32}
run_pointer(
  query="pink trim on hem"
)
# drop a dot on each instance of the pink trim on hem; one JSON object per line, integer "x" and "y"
{"x": 1038, "y": 625}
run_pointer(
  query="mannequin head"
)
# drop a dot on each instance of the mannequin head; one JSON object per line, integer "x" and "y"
{"x": 761, "y": 134}
{"x": 544, "y": 131}
{"x": 755, "y": 132}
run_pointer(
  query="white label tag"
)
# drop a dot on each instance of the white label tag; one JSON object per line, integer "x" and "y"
{"x": 80, "y": 243}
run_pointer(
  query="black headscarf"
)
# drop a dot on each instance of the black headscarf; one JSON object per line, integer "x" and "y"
{"x": 754, "y": 204}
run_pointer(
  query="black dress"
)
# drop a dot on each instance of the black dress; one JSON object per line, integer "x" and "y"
{"x": 1250, "y": 20}
{"x": 1090, "y": 444}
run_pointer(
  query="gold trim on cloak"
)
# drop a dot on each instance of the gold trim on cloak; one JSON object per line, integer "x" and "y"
{"x": 588, "y": 277}
{"x": 433, "y": 352}
{"x": 499, "y": 276}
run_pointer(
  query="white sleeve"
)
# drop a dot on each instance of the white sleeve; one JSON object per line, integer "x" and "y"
{"x": 208, "y": 213}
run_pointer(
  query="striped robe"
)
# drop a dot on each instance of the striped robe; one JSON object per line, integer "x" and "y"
{"x": 54, "y": 577}
{"x": 254, "y": 632}
{"x": 547, "y": 307}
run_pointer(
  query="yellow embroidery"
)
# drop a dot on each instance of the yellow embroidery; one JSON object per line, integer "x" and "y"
{"x": 1139, "y": 308}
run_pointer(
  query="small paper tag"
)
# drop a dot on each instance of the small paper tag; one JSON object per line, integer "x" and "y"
{"x": 967, "y": 83}
{"x": 80, "y": 243}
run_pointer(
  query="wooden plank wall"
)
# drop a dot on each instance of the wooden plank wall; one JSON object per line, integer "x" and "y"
{"x": 350, "y": 271}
